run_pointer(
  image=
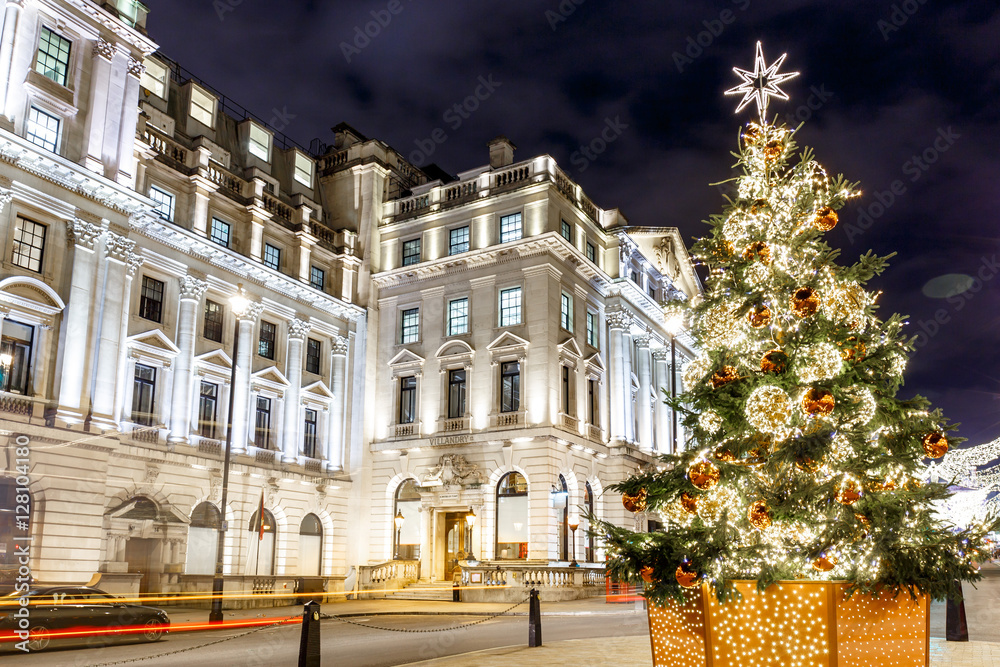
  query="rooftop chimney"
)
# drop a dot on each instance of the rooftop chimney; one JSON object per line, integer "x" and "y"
{"x": 501, "y": 152}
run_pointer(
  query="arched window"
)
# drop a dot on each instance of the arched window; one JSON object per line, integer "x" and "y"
{"x": 512, "y": 517}
{"x": 310, "y": 546}
{"x": 203, "y": 539}
{"x": 263, "y": 535}
{"x": 588, "y": 505}
{"x": 560, "y": 501}
{"x": 406, "y": 540}
{"x": 8, "y": 558}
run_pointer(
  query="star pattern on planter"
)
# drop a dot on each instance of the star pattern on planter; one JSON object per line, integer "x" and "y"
{"x": 762, "y": 83}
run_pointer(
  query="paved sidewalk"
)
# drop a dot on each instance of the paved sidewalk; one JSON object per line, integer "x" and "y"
{"x": 635, "y": 652}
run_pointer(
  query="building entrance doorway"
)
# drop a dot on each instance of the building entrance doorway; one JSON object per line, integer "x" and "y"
{"x": 454, "y": 542}
{"x": 139, "y": 556}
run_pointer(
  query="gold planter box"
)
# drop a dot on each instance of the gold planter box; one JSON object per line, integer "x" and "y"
{"x": 801, "y": 623}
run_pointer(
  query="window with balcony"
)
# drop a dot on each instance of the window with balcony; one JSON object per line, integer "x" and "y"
{"x": 208, "y": 403}
{"x": 458, "y": 240}
{"x": 202, "y": 107}
{"x": 510, "y": 386}
{"x": 411, "y": 252}
{"x": 309, "y": 433}
{"x": 458, "y": 316}
{"x": 566, "y": 312}
{"x": 566, "y": 230}
{"x": 262, "y": 423}
{"x": 43, "y": 129}
{"x": 407, "y": 399}
{"x": 409, "y": 330}
{"x": 154, "y": 78}
{"x": 510, "y": 306}
{"x": 317, "y": 277}
{"x": 456, "y": 393}
{"x": 221, "y": 232}
{"x": 266, "y": 340}
{"x": 510, "y": 228}
{"x": 52, "y": 60}
{"x": 15, "y": 357}
{"x": 260, "y": 142}
{"x": 151, "y": 299}
{"x": 143, "y": 394}
{"x": 164, "y": 202}
{"x": 272, "y": 256}
{"x": 314, "y": 355}
{"x": 212, "y": 329}
{"x": 29, "y": 244}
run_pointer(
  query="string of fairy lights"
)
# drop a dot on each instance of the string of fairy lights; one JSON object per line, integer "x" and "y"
{"x": 979, "y": 495}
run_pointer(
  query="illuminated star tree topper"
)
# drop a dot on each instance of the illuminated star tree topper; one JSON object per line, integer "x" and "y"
{"x": 761, "y": 83}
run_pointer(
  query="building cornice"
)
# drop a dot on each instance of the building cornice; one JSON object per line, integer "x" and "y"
{"x": 115, "y": 25}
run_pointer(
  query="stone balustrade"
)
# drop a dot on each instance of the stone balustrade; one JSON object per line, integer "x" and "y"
{"x": 503, "y": 581}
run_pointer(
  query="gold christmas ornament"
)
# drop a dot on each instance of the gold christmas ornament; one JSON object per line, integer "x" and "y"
{"x": 635, "y": 502}
{"x": 863, "y": 405}
{"x": 825, "y": 563}
{"x": 759, "y": 251}
{"x": 647, "y": 574}
{"x": 854, "y": 349}
{"x": 724, "y": 376}
{"x": 758, "y": 207}
{"x": 935, "y": 445}
{"x": 758, "y": 515}
{"x": 703, "y": 475}
{"x": 820, "y": 361}
{"x": 806, "y": 464}
{"x": 848, "y": 494}
{"x": 768, "y": 409}
{"x": 818, "y": 402}
{"x": 825, "y": 220}
{"x": 710, "y": 422}
{"x": 759, "y": 316}
{"x": 846, "y": 303}
{"x": 752, "y": 135}
{"x": 774, "y": 361}
{"x": 689, "y": 503}
{"x": 695, "y": 371}
{"x": 719, "y": 327}
{"x": 724, "y": 455}
{"x": 724, "y": 250}
{"x": 773, "y": 150}
{"x": 686, "y": 575}
{"x": 805, "y": 302}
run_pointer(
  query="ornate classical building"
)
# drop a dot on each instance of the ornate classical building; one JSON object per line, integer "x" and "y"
{"x": 393, "y": 350}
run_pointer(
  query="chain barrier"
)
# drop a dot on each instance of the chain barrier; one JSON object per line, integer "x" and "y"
{"x": 194, "y": 648}
{"x": 344, "y": 619}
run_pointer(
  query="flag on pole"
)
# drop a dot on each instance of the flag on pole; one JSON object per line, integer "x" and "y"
{"x": 260, "y": 518}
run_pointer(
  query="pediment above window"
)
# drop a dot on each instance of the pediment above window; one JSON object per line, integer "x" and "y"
{"x": 505, "y": 341}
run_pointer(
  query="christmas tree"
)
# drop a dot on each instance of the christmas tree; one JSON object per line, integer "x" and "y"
{"x": 801, "y": 461}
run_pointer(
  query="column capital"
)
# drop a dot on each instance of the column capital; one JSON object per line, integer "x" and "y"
{"x": 136, "y": 68}
{"x": 133, "y": 261}
{"x": 104, "y": 49}
{"x": 6, "y": 191}
{"x": 298, "y": 328}
{"x": 643, "y": 340}
{"x": 661, "y": 354}
{"x": 339, "y": 345}
{"x": 118, "y": 247}
{"x": 192, "y": 288}
{"x": 251, "y": 312}
{"x": 83, "y": 233}
{"x": 618, "y": 318}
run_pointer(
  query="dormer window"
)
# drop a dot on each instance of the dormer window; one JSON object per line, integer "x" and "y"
{"x": 154, "y": 78}
{"x": 202, "y": 107}
{"x": 303, "y": 169}
{"x": 260, "y": 143}
{"x": 53, "y": 56}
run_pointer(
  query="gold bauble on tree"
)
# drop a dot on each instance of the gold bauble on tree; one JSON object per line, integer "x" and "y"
{"x": 774, "y": 361}
{"x": 825, "y": 220}
{"x": 773, "y": 150}
{"x": 848, "y": 494}
{"x": 758, "y": 206}
{"x": 724, "y": 376}
{"x": 935, "y": 445}
{"x": 805, "y": 302}
{"x": 825, "y": 563}
{"x": 689, "y": 503}
{"x": 647, "y": 574}
{"x": 818, "y": 402}
{"x": 759, "y": 515}
{"x": 724, "y": 250}
{"x": 760, "y": 316}
{"x": 686, "y": 575}
{"x": 854, "y": 349}
{"x": 752, "y": 135}
{"x": 759, "y": 251}
{"x": 768, "y": 409}
{"x": 724, "y": 455}
{"x": 806, "y": 464}
{"x": 635, "y": 502}
{"x": 703, "y": 475}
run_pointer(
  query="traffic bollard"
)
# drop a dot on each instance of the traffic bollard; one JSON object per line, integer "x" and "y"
{"x": 534, "y": 620}
{"x": 309, "y": 646}
{"x": 456, "y": 593}
{"x": 956, "y": 627}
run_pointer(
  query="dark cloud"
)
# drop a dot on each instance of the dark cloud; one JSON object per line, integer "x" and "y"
{"x": 887, "y": 90}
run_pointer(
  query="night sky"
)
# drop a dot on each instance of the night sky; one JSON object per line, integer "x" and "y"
{"x": 905, "y": 98}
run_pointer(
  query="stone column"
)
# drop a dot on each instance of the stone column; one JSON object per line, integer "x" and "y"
{"x": 114, "y": 303}
{"x": 125, "y": 172}
{"x": 12, "y": 13}
{"x": 241, "y": 390}
{"x": 132, "y": 264}
{"x": 644, "y": 404}
{"x": 620, "y": 361}
{"x": 292, "y": 432}
{"x": 76, "y": 323}
{"x": 338, "y": 385}
{"x": 97, "y": 116}
{"x": 661, "y": 413}
{"x": 192, "y": 290}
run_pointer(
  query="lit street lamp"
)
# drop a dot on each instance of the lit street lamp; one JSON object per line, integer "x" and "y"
{"x": 398, "y": 520}
{"x": 470, "y": 519}
{"x": 573, "y": 526}
{"x": 239, "y": 303}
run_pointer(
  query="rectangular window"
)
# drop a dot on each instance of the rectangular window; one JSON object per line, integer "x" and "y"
{"x": 272, "y": 256}
{"x": 651, "y": 290}
{"x": 43, "y": 129}
{"x": 53, "y": 56}
{"x": 317, "y": 277}
{"x": 213, "y": 321}
{"x": 458, "y": 317}
{"x": 411, "y": 252}
{"x": 634, "y": 276}
{"x": 309, "y": 430}
{"x": 265, "y": 343}
{"x": 29, "y": 244}
{"x": 593, "y": 408}
{"x": 510, "y": 386}
{"x": 151, "y": 299}
{"x": 566, "y": 312}
{"x": 458, "y": 240}
{"x": 303, "y": 170}
{"x": 260, "y": 143}
{"x": 592, "y": 253}
{"x": 154, "y": 79}
{"x": 202, "y": 107}
{"x": 510, "y": 307}
{"x": 410, "y": 326}
{"x": 208, "y": 402}
{"x": 314, "y": 354}
{"x": 262, "y": 423}
{"x": 221, "y": 232}
{"x": 143, "y": 394}
{"x": 407, "y": 399}
{"x": 566, "y": 230}
{"x": 15, "y": 357}
{"x": 510, "y": 227}
{"x": 592, "y": 329}
{"x": 456, "y": 394}
{"x": 565, "y": 390}
{"x": 164, "y": 202}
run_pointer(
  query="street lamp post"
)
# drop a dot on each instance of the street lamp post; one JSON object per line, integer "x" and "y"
{"x": 470, "y": 519}
{"x": 573, "y": 526}
{"x": 239, "y": 304}
{"x": 398, "y": 520}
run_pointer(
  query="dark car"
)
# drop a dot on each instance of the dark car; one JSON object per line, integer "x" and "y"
{"x": 56, "y": 608}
